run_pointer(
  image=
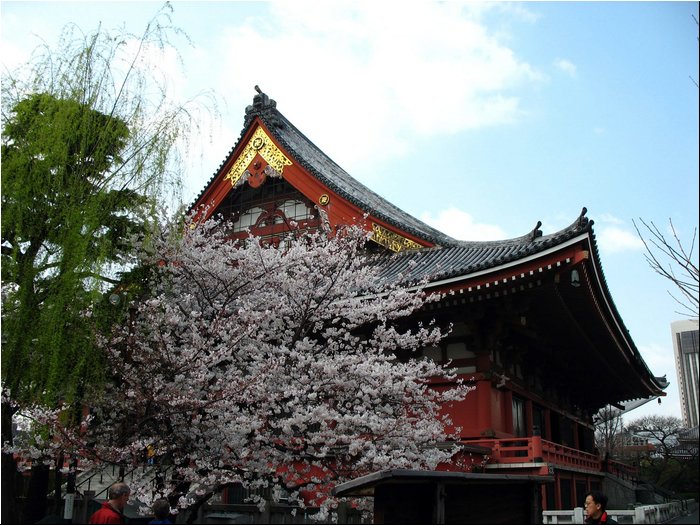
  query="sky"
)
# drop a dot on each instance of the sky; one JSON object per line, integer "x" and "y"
{"x": 478, "y": 118}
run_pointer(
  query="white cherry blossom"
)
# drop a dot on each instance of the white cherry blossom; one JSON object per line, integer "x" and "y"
{"x": 266, "y": 366}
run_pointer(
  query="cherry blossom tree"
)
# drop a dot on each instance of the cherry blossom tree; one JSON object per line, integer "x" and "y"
{"x": 274, "y": 367}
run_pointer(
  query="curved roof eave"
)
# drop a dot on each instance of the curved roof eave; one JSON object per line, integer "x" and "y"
{"x": 467, "y": 259}
{"x": 330, "y": 174}
{"x": 447, "y": 266}
{"x": 660, "y": 383}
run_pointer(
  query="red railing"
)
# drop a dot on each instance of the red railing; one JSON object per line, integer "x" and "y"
{"x": 570, "y": 457}
{"x": 535, "y": 450}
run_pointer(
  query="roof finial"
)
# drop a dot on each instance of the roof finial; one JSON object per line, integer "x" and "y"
{"x": 261, "y": 100}
{"x": 262, "y": 104}
{"x": 536, "y": 232}
{"x": 582, "y": 219}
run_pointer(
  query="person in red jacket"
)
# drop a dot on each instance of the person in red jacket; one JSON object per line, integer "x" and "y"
{"x": 112, "y": 510}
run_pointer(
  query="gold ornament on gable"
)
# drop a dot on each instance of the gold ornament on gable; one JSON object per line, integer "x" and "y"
{"x": 261, "y": 144}
{"x": 393, "y": 241}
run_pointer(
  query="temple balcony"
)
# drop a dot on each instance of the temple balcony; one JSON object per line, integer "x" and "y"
{"x": 536, "y": 455}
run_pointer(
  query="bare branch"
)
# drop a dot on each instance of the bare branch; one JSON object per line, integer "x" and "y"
{"x": 673, "y": 260}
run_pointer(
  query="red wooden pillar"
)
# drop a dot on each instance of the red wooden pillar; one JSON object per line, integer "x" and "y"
{"x": 537, "y": 448}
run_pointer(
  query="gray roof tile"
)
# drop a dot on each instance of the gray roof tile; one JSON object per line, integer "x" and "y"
{"x": 449, "y": 257}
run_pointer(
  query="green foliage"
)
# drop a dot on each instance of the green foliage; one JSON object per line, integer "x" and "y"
{"x": 90, "y": 147}
{"x": 60, "y": 226}
{"x": 678, "y": 475}
{"x": 671, "y": 466}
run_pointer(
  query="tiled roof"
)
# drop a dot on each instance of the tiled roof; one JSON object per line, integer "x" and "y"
{"x": 316, "y": 162}
{"x": 307, "y": 155}
{"x": 463, "y": 257}
{"x": 449, "y": 257}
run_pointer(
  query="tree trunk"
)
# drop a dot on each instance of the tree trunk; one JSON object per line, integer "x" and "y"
{"x": 10, "y": 512}
{"x": 9, "y": 475}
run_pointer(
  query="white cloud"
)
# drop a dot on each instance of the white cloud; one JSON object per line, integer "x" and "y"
{"x": 609, "y": 218}
{"x": 613, "y": 239}
{"x": 12, "y": 55}
{"x": 615, "y": 236}
{"x": 566, "y": 66}
{"x": 518, "y": 9}
{"x": 460, "y": 225}
{"x": 384, "y": 75}
{"x": 659, "y": 358}
{"x": 513, "y": 9}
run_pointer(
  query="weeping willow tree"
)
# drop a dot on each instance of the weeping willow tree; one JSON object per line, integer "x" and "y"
{"x": 91, "y": 147}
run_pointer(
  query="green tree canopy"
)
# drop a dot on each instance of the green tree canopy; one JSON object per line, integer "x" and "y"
{"x": 91, "y": 143}
{"x": 61, "y": 224}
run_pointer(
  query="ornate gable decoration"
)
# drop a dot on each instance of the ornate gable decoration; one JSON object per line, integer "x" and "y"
{"x": 260, "y": 144}
{"x": 393, "y": 241}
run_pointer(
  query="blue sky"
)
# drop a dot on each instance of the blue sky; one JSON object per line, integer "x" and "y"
{"x": 480, "y": 119}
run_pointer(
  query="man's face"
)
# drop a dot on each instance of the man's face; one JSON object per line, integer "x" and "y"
{"x": 122, "y": 500}
{"x": 591, "y": 508}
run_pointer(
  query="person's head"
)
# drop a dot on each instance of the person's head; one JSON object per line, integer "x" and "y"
{"x": 119, "y": 495}
{"x": 161, "y": 508}
{"x": 595, "y": 504}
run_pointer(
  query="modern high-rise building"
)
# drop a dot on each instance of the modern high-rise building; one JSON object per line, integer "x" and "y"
{"x": 685, "y": 348}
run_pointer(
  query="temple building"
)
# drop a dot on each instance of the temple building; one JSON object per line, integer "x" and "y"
{"x": 535, "y": 334}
